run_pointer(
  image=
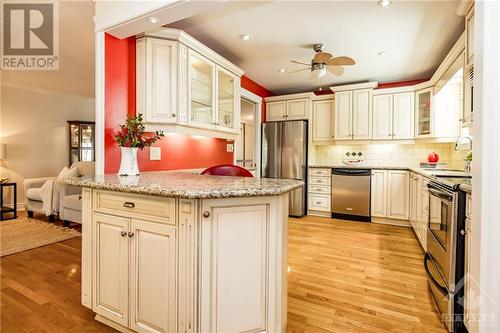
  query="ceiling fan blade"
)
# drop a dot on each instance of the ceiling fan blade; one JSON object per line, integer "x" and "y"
{"x": 300, "y": 63}
{"x": 321, "y": 57}
{"x": 336, "y": 70}
{"x": 340, "y": 61}
{"x": 300, "y": 70}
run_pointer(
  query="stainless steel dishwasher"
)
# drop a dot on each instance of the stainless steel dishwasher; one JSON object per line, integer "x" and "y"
{"x": 351, "y": 194}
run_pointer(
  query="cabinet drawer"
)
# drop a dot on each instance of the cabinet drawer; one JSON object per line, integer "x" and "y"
{"x": 320, "y": 172}
{"x": 133, "y": 205}
{"x": 319, "y": 202}
{"x": 320, "y": 189}
{"x": 316, "y": 180}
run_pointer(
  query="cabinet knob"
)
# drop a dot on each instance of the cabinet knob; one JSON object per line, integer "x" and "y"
{"x": 128, "y": 204}
{"x": 131, "y": 234}
{"x": 173, "y": 114}
{"x": 124, "y": 233}
{"x": 206, "y": 213}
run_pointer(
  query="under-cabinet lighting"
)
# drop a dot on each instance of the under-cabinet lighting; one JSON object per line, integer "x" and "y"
{"x": 153, "y": 20}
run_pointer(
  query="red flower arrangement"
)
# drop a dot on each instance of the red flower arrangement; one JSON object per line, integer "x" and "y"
{"x": 133, "y": 135}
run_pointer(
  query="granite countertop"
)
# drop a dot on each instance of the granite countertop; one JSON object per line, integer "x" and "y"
{"x": 190, "y": 186}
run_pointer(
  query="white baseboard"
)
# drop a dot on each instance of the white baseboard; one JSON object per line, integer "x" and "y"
{"x": 398, "y": 223}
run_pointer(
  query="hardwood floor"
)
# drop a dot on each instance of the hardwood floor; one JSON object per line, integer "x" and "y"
{"x": 343, "y": 277}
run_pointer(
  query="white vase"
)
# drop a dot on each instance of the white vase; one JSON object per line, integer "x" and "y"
{"x": 128, "y": 165}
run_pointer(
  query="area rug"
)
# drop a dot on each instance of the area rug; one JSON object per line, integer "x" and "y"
{"x": 23, "y": 234}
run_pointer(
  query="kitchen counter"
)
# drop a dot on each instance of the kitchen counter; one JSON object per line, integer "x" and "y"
{"x": 181, "y": 239}
{"x": 189, "y": 186}
{"x": 421, "y": 171}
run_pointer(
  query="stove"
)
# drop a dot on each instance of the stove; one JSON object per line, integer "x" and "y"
{"x": 452, "y": 182}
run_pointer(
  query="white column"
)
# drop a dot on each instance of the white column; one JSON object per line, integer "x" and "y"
{"x": 485, "y": 233}
{"x": 99, "y": 102}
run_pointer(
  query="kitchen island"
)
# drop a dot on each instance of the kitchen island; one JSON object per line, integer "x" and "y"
{"x": 176, "y": 252}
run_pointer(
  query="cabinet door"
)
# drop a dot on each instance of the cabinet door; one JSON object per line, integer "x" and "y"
{"x": 152, "y": 277}
{"x": 362, "y": 115}
{"x": 424, "y": 221}
{"x": 413, "y": 201}
{"x": 379, "y": 193}
{"x": 234, "y": 270}
{"x": 156, "y": 80}
{"x": 275, "y": 111}
{"x": 110, "y": 253}
{"x": 227, "y": 101}
{"x": 382, "y": 117}
{"x": 423, "y": 108}
{"x": 201, "y": 91}
{"x": 403, "y": 119}
{"x": 469, "y": 37}
{"x": 297, "y": 109}
{"x": 323, "y": 120}
{"x": 398, "y": 194}
{"x": 343, "y": 115}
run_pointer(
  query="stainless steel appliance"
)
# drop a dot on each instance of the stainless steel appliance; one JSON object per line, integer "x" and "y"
{"x": 284, "y": 155}
{"x": 444, "y": 260}
{"x": 351, "y": 193}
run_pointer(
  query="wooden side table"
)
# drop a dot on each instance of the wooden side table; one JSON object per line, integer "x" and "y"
{"x": 5, "y": 210}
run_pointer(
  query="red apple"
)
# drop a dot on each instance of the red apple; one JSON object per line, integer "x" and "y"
{"x": 433, "y": 157}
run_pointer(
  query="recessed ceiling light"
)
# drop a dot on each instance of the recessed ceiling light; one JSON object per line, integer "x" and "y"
{"x": 282, "y": 70}
{"x": 384, "y": 3}
{"x": 382, "y": 53}
{"x": 246, "y": 37}
{"x": 153, "y": 20}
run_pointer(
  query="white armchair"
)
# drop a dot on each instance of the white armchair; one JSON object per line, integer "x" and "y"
{"x": 33, "y": 197}
{"x": 70, "y": 203}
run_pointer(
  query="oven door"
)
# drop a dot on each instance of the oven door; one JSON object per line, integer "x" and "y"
{"x": 441, "y": 232}
{"x": 443, "y": 299}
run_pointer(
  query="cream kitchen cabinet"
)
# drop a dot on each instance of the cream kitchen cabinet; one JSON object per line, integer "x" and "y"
{"x": 183, "y": 86}
{"x": 398, "y": 194}
{"x": 379, "y": 193}
{"x": 319, "y": 192}
{"x": 288, "y": 107}
{"x": 424, "y": 103}
{"x": 393, "y": 116}
{"x": 353, "y": 115}
{"x": 469, "y": 38}
{"x": 390, "y": 194}
{"x": 382, "y": 117}
{"x": 135, "y": 273}
{"x": 322, "y": 120}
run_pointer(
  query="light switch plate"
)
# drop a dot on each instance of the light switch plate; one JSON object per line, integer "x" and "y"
{"x": 230, "y": 147}
{"x": 154, "y": 153}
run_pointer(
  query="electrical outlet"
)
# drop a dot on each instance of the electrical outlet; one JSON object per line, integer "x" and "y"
{"x": 230, "y": 147}
{"x": 154, "y": 153}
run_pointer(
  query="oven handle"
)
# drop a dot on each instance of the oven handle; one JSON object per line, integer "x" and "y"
{"x": 440, "y": 194}
{"x": 443, "y": 290}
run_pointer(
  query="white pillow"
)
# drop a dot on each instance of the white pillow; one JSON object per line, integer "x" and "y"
{"x": 67, "y": 173}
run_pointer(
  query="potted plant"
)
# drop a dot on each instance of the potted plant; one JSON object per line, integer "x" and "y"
{"x": 131, "y": 138}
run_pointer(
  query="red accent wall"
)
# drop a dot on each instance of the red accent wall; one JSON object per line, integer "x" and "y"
{"x": 400, "y": 83}
{"x": 178, "y": 151}
{"x": 257, "y": 89}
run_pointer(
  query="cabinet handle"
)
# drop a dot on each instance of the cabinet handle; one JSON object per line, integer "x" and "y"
{"x": 123, "y": 233}
{"x": 206, "y": 213}
{"x": 462, "y": 232}
{"x": 128, "y": 204}
{"x": 318, "y": 202}
{"x": 318, "y": 189}
{"x": 131, "y": 234}
{"x": 173, "y": 114}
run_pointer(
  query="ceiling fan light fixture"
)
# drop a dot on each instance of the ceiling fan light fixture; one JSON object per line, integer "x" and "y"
{"x": 384, "y": 3}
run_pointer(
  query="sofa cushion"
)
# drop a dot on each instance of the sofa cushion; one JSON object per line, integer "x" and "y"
{"x": 34, "y": 194}
{"x": 72, "y": 202}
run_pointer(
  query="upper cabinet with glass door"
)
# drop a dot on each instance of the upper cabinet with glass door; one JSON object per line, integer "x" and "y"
{"x": 185, "y": 87}
{"x": 423, "y": 107}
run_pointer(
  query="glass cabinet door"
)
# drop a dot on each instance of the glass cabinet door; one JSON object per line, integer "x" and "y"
{"x": 87, "y": 145}
{"x": 201, "y": 89}
{"x": 424, "y": 100}
{"x": 225, "y": 99}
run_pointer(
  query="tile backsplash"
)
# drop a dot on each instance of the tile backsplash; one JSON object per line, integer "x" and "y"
{"x": 387, "y": 154}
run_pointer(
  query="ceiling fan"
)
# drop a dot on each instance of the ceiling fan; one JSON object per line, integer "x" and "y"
{"x": 323, "y": 62}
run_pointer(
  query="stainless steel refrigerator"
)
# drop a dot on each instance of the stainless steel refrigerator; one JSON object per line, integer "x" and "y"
{"x": 284, "y": 155}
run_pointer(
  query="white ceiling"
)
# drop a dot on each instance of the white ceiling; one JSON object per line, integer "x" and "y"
{"x": 416, "y": 34}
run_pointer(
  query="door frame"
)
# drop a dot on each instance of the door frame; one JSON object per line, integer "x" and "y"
{"x": 257, "y": 100}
